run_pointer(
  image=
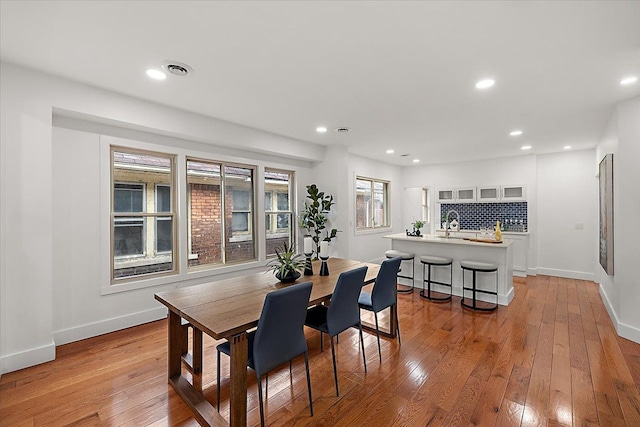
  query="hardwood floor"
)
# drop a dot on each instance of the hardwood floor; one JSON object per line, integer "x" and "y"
{"x": 550, "y": 358}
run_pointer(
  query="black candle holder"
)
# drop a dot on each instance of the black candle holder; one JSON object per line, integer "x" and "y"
{"x": 324, "y": 268}
{"x": 308, "y": 266}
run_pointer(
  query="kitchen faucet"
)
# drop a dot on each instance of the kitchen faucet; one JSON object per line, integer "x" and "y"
{"x": 446, "y": 230}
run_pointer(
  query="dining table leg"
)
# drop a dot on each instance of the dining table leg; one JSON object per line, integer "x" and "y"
{"x": 238, "y": 399}
{"x": 393, "y": 324}
{"x": 177, "y": 335}
{"x": 391, "y": 331}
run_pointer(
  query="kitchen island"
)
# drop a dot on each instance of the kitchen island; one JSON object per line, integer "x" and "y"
{"x": 460, "y": 249}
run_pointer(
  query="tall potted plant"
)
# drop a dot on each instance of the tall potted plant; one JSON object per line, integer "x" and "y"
{"x": 314, "y": 216}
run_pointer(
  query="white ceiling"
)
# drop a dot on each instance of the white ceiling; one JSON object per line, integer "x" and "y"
{"x": 400, "y": 74}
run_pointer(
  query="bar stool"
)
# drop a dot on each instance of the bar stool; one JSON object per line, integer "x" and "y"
{"x": 429, "y": 261}
{"x": 193, "y": 361}
{"x": 479, "y": 267}
{"x": 405, "y": 257}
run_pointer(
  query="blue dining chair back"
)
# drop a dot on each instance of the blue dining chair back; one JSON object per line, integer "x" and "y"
{"x": 342, "y": 313}
{"x": 278, "y": 338}
{"x": 383, "y": 295}
{"x": 280, "y": 333}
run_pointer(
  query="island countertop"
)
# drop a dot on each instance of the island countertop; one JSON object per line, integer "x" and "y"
{"x": 429, "y": 238}
{"x": 459, "y": 249}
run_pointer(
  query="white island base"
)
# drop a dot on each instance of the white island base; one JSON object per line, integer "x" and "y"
{"x": 459, "y": 249}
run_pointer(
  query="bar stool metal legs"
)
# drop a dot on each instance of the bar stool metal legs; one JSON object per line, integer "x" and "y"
{"x": 405, "y": 257}
{"x": 433, "y": 261}
{"x": 478, "y": 267}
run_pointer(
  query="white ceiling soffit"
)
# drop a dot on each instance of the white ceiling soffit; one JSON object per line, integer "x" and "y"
{"x": 401, "y": 75}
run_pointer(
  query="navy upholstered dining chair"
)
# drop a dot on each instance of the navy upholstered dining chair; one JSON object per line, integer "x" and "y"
{"x": 342, "y": 314}
{"x": 279, "y": 337}
{"x": 383, "y": 295}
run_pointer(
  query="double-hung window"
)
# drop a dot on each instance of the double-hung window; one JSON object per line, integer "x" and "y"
{"x": 426, "y": 211}
{"x": 372, "y": 203}
{"x": 142, "y": 213}
{"x": 220, "y": 201}
{"x": 278, "y": 196}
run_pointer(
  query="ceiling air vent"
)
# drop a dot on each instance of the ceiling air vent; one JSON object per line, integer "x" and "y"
{"x": 177, "y": 68}
{"x": 343, "y": 130}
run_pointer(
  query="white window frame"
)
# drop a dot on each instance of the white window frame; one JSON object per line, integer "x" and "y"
{"x": 275, "y": 211}
{"x": 182, "y": 153}
{"x": 426, "y": 205}
{"x": 238, "y": 236}
{"x": 139, "y": 259}
{"x": 387, "y": 199}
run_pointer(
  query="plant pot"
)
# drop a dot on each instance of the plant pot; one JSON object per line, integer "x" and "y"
{"x": 290, "y": 277}
{"x": 417, "y": 232}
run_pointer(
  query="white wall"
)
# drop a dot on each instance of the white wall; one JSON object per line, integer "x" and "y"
{"x": 42, "y": 300}
{"x": 369, "y": 245}
{"x": 25, "y": 132}
{"x": 621, "y": 292}
{"x": 567, "y": 200}
{"x": 330, "y": 177}
{"x": 609, "y": 144}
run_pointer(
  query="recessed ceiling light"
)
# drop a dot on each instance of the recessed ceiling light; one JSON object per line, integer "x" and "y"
{"x": 516, "y": 133}
{"x": 525, "y": 147}
{"x": 156, "y": 74}
{"x": 416, "y": 160}
{"x": 321, "y": 129}
{"x": 390, "y": 151}
{"x": 485, "y": 84}
{"x": 567, "y": 147}
{"x": 176, "y": 68}
{"x": 628, "y": 80}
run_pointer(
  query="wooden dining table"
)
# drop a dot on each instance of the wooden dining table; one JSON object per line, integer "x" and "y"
{"x": 227, "y": 309}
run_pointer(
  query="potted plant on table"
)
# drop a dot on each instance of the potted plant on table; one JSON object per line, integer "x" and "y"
{"x": 287, "y": 264}
{"x": 417, "y": 225}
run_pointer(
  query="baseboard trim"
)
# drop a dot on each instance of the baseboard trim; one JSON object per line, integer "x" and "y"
{"x": 622, "y": 329}
{"x": 569, "y": 274}
{"x": 27, "y": 358}
{"x": 89, "y": 330}
{"x": 629, "y": 332}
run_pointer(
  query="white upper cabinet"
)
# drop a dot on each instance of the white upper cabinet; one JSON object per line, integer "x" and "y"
{"x": 466, "y": 194}
{"x": 505, "y": 193}
{"x": 514, "y": 193}
{"x": 488, "y": 194}
{"x": 446, "y": 195}
{"x": 459, "y": 195}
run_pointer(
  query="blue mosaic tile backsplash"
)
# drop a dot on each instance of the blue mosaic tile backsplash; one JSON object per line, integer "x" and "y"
{"x": 512, "y": 215}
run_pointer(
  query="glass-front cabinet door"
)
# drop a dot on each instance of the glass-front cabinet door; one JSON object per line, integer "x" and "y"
{"x": 514, "y": 192}
{"x": 488, "y": 194}
{"x": 446, "y": 195}
{"x": 466, "y": 194}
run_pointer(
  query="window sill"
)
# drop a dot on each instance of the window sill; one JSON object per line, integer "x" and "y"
{"x": 378, "y": 230}
{"x": 236, "y": 239}
{"x": 177, "y": 280}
